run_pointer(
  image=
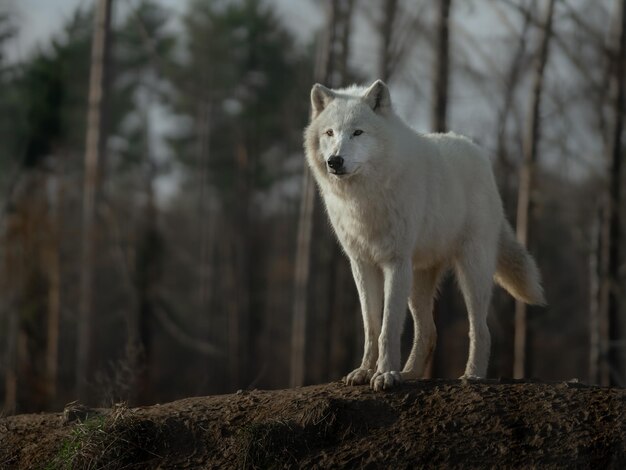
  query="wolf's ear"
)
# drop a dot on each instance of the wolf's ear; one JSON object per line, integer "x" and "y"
{"x": 320, "y": 98}
{"x": 378, "y": 98}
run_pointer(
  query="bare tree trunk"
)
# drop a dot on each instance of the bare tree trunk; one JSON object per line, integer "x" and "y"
{"x": 510, "y": 86}
{"x": 610, "y": 295}
{"x": 524, "y": 201}
{"x": 54, "y": 289}
{"x": 14, "y": 274}
{"x": 10, "y": 380}
{"x": 95, "y": 142}
{"x": 232, "y": 307}
{"x": 301, "y": 280}
{"x": 148, "y": 268}
{"x": 11, "y": 360}
{"x": 240, "y": 322}
{"x": 330, "y": 68}
{"x": 203, "y": 149}
{"x": 344, "y": 26}
{"x": 390, "y": 8}
{"x": 208, "y": 220}
{"x": 595, "y": 344}
{"x": 442, "y": 69}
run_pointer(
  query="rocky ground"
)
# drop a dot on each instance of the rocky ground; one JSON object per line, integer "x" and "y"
{"x": 441, "y": 423}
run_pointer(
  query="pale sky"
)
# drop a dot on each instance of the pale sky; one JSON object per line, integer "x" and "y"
{"x": 37, "y": 20}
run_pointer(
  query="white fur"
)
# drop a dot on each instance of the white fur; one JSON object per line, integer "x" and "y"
{"x": 408, "y": 208}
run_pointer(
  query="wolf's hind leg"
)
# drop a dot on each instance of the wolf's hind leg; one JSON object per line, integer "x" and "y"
{"x": 369, "y": 283}
{"x": 421, "y": 301}
{"x": 475, "y": 269}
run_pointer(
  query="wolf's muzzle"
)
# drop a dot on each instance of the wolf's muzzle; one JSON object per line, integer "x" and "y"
{"x": 335, "y": 164}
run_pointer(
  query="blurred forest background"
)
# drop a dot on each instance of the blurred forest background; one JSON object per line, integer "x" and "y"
{"x": 161, "y": 238}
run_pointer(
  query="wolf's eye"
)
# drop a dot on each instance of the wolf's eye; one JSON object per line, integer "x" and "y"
{"x": 330, "y": 133}
{"x": 358, "y": 132}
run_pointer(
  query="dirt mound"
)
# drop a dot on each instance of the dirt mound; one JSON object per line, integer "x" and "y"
{"x": 435, "y": 422}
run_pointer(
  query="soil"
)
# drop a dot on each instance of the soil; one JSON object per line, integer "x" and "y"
{"x": 439, "y": 423}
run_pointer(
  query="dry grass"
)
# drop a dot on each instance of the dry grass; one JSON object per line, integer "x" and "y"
{"x": 111, "y": 441}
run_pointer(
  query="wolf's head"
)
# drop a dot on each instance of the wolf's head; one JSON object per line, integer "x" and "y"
{"x": 346, "y": 134}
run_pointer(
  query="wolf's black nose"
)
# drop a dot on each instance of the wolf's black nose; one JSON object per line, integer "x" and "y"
{"x": 335, "y": 162}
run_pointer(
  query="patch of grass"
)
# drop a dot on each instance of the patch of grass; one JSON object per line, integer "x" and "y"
{"x": 124, "y": 439}
{"x": 74, "y": 445}
{"x": 109, "y": 442}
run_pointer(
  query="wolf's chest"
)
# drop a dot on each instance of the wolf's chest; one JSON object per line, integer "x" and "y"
{"x": 365, "y": 228}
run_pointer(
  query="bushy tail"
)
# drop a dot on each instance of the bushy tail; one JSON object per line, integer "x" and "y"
{"x": 516, "y": 270}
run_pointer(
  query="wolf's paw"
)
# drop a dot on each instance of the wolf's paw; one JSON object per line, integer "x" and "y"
{"x": 359, "y": 376}
{"x": 385, "y": 380}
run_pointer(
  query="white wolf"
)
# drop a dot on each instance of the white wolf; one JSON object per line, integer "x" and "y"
{"x": 406, "y": 207}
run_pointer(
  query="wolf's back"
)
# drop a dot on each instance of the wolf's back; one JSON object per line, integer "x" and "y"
{"x": 516, "y": 270}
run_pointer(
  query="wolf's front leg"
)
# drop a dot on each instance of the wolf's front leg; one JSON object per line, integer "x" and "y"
{"x": 369, "y": 283}
{"x": 397, "y": 285}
